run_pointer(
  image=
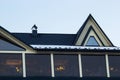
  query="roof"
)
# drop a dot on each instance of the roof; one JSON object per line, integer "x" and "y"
{"x": 83, "y": 26}
{"x": 46, "y": 39}
{"x": 57, "y": 41}
{"x": 75, "y": 48}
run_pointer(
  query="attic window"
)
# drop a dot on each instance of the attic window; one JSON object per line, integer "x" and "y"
{"x": 92, "y": 41}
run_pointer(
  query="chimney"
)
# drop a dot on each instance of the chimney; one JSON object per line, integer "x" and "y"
{"x": 34, "y": 30}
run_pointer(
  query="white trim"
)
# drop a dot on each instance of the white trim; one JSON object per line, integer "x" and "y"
{"x": 52, "y": 65}
{"x": 13, "y": 39}
{"x": 92, "y": 33}
{"x": 80, "y": 65}
{"x": 107, "y": 65}
{"x": 24, "y": 64}
{"x": 92, "y": 23}
{"x": 73, "y": 47}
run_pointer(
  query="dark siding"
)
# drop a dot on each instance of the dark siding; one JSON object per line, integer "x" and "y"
{"x": 59, "y": 78}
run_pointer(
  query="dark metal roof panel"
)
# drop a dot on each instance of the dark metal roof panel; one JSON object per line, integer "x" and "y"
{"x": 46, "y": 39}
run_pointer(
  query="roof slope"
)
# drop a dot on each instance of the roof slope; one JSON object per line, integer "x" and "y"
{"x": 46, "y": 39}
{"x": 52, "y": 39}
{"x": 9, "y": 37}
{"x": 99, "y": 30}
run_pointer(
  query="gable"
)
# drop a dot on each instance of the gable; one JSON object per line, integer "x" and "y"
{"x": 7, "y": 45}
{"x": 92, "y": 33}
{"x": 7, "y": 39}
{"x": 91, "y": 28}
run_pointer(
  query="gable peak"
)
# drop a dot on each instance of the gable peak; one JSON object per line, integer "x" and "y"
{"x": 89, "y": 23}
{"x": 90, "y": 15}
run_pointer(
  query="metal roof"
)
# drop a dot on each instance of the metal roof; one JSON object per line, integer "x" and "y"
{"x": 61, "y": 47}
{"x": 46, "y": 39}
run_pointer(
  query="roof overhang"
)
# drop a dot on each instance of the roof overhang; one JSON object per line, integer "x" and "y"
{"x": 74, "y": 48}
{"x": 7, "y": 35}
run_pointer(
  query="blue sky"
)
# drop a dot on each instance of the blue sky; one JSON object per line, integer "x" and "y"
{"x": 60, "y": 16}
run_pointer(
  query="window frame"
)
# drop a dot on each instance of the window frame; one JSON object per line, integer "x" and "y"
{"x": 104, "y": 62}
{"x": 91, "y": 44}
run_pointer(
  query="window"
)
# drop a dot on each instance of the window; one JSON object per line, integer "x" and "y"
{"x": 92, "y": 41}
{"x": 10, "y": 65}
{"x": 93, "y": 66}
{"x": 66, "y": 65}
{"x": 114, "y": 65}
{"x": 38, "y": 65}
{"x": 4, "y": 45}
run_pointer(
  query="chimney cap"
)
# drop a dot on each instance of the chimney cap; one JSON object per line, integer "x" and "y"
{"x": 34, "y": 27}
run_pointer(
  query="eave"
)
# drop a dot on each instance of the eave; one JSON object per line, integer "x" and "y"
{"x": 75, "y": 48}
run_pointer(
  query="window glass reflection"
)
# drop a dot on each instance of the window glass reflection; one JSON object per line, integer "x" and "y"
{"x": 10, "y": 65}
{"x": 93, "y": 66}
{"x": 114, "y": 65}
{"x": 66, "y": 65}
{"x": 92, "y": 42}
{"x": 38, "y": 65}
{"x": 4, "y": 45}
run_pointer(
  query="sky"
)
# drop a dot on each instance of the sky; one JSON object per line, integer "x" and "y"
{"x": 60, "y": 16}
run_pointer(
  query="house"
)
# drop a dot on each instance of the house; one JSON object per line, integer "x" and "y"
{"x": 88, "y": 53}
